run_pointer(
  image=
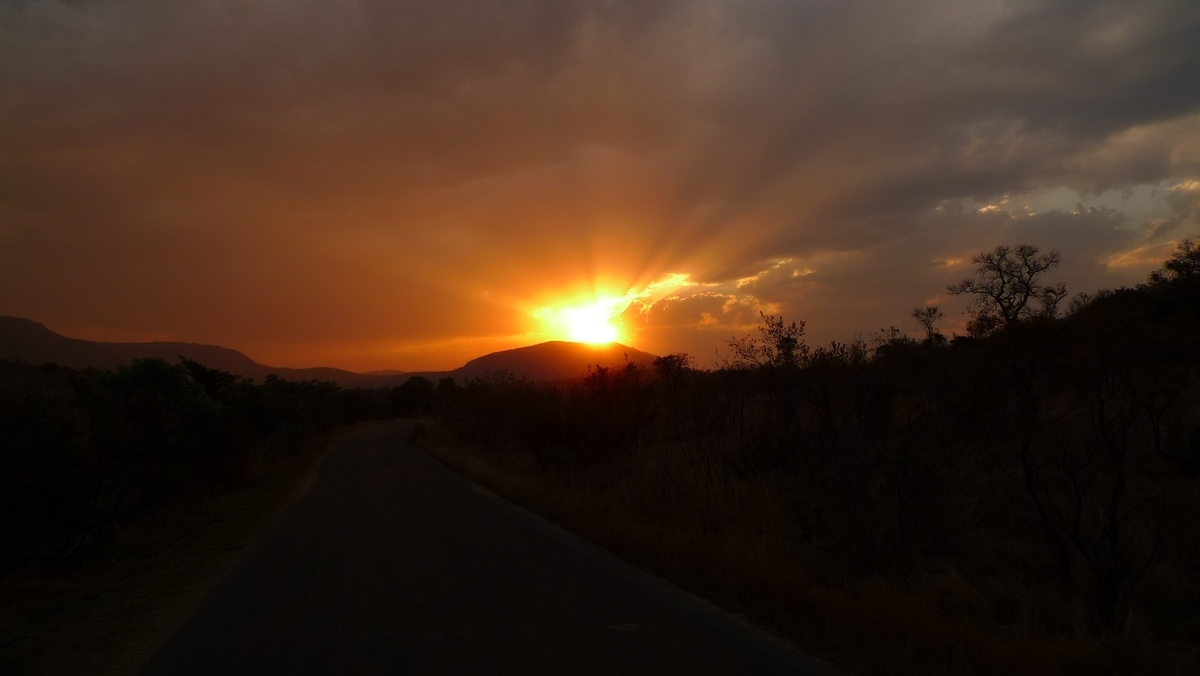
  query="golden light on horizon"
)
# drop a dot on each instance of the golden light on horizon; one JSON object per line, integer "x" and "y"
{"x": 594, "y": 323}
{"x": 596, "y": 318}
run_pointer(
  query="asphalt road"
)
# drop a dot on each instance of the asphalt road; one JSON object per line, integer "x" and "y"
{"x": 392, "y": 564}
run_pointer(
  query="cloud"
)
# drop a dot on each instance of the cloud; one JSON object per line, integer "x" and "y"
{"x": 707, "y": 310}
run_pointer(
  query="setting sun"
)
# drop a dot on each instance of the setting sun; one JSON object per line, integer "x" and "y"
{"x": 590, "y": 324}
{"x": 583, "y": 324}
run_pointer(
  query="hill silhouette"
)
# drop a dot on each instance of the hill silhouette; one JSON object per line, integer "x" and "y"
{"x": 555, "y": 360}
{"x": 29, "y": 341}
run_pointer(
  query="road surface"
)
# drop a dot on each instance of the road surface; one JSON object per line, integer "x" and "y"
{"x": 392, "y": 564}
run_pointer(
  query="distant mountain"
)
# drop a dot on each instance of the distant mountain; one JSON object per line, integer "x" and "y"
{"x": 556, "y": 360}
{"x": 26, "y": 340}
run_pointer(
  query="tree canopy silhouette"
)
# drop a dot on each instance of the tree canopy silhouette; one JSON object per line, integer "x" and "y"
{"x": 928, "y": 317}
{"x": 1184, "y": 264}
{"x": 1007, "y": 283}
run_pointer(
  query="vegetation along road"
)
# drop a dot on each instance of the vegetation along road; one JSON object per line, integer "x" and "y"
{"x": 391, "y": 563}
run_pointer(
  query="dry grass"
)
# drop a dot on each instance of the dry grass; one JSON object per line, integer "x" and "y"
{"x": 730, "y": 539}
{"x": 108, "y": 616}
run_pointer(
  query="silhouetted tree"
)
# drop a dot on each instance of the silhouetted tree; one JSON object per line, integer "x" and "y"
{"x": 1007, "y": 283}
{"x": 928, "y": 318}
{"x": 1184, "y": 264}
{"x": 672, "y": 366}
{"x": 780, "y": 345}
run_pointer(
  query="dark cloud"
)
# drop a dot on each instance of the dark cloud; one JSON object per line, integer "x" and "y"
{"x": 377, "y": 173}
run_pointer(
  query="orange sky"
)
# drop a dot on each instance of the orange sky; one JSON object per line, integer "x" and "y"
{"x": 381, "y": 185}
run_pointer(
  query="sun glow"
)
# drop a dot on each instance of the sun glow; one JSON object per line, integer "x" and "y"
{"x": 600, "y": 319}
{"x": 591, "y": 324}
{"x": 584, "y": 324}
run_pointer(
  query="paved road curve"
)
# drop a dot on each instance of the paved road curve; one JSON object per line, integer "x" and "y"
{"x": 392, "y": 564}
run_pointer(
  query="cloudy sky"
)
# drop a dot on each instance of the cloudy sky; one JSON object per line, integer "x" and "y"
{"x": 401, "y": 184}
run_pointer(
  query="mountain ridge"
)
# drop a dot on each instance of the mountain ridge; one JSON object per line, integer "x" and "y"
{"x": 27, "y": 340}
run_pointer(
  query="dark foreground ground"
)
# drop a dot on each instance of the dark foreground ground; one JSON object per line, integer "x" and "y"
{"x": 392, "y": 564}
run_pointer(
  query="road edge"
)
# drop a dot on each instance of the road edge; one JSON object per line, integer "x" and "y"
{"x": 772, "y": 653}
